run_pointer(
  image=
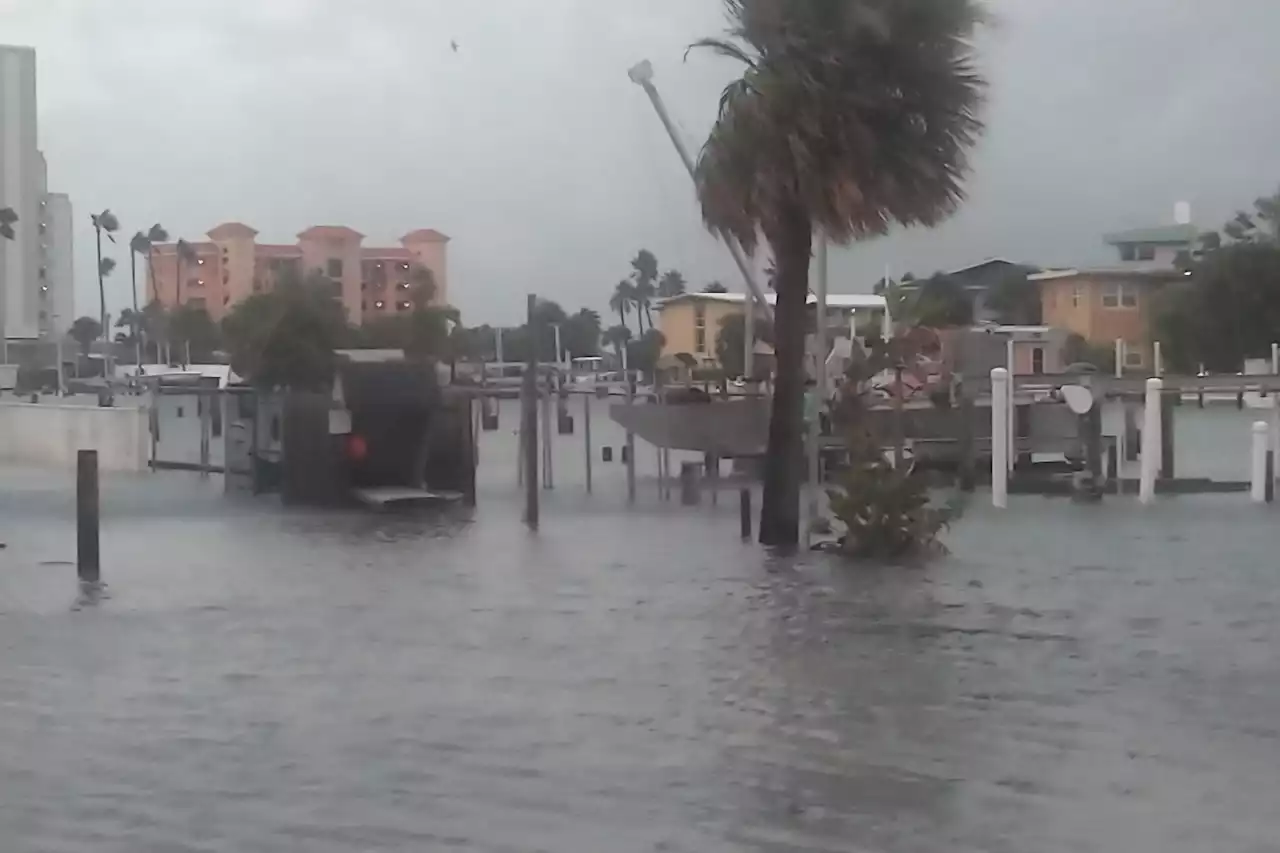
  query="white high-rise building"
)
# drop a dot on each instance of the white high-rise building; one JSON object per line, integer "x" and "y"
{"x": 36, "y": 274}
{"x": 21, "y": 176}
{"x": 58, "y": 305}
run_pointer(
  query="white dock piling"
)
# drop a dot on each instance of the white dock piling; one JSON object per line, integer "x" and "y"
{"x": 999, "y": 438}
{"x": 1157, "y": 359}
{"x": 1275, "y": 359}
{"x": 1151, "y": 442}
{"x": 1120, "y": 354}
{"x": 1258, "y": 463}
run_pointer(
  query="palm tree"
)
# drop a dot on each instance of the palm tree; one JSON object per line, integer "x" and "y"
{"x": 624, "y": 296}
{"x": 644, "y": 268}
{"x": 156, "y": 234}
{"x": 617, "y": 337}
{"x": 85, "y": 331}
{"x": 849, "y": 117}
{"x": 7, "y": 220}
{"x": 183, "y": 253}
{"x": 715, "y": 287}
{"x": 104, "y": 222}
{"x": 138, "y": 245}
{"x": 671, "y": 284}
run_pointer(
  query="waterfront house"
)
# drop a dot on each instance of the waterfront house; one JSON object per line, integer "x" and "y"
{"x": 1116, "y": 302}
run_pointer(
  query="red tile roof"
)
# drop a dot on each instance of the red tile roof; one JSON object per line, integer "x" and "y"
{"x": 339, "y": 232}
{"x": 232, "y": 229}
{"x": 425, "y": 235}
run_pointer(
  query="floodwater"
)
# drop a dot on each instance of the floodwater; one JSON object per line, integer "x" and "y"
{"x": 1073, "y": 678}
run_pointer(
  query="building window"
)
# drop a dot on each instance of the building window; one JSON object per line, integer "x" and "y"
{"x": 333, "y": 268}
{"x": 700, "y": 328}
{"x": 337, "y": 289}
{"x": 1119, "y": 296}
{"x": 1133, "y": 357}
{"x": 1077, "y": 293}
{"x": 1146, "y": 253}
{"x": 379, "y": 305}
{"x": 1128, "y": 252}
{"x": 1037, "y": 361}
{"x": 402, "y": 306}
{"x": 193, "y": 283}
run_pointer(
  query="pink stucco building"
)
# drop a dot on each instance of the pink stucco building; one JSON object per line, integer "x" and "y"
{"x": 232, "y": 265}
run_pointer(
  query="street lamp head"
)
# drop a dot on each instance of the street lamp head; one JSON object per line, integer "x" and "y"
{"x": 642, "y": 73}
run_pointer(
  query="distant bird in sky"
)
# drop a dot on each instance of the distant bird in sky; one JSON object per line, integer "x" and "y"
{"x": 454, "y": 45}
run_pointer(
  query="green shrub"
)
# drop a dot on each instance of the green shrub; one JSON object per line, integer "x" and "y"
{"x": 882, "y": 514}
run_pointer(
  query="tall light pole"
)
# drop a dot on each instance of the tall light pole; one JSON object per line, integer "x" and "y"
{"x": 642, "y": 76}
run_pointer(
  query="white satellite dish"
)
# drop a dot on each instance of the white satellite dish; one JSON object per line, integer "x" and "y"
{"x": 1078, "y": 398}
{"x": 1182, "y": 213}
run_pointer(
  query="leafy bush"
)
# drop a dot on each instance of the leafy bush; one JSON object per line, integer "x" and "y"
{"x": 882, "y": 514}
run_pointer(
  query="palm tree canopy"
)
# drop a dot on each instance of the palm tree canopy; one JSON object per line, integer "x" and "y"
{"x": 715, "y": 287}
{"x": 157, "y": 234}
{"x": 623, "y": 295}
{"x": 671, "y": 284}
{"x": 855, "y": 113}
{"x": 139, "y": 244}
{"x": 7, "y": 220}
{"x": 106, "y": 267}
{"x": 186, "y": 251}
{"x": 617, "y": 336}
{"x": 105, "y": 221}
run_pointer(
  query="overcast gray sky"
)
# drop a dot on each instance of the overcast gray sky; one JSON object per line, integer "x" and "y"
{"x": 531, "y": 148}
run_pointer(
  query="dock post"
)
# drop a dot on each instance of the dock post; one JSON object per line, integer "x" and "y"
{"x": 88, "y": 551}
{"x": 1092, "y": 423}
{"x": 1167, "y": 456}
{"x": 689, "y": 484}
{"x": 204, "y": 402}
{"x": 1157, "y": 359}
{"x": 1275, "y": 359}
{"x": 1120, "y": 347}
{"x": 586, "y": 433}
{"x": 1258, "y": 460}
{"x": 1113, "y": 466}
{"x": 1271, "y": 476}
{"x": 629, "y": 449}
{"x": 1152, "y": 446}
{"x": 744, "y": 512}
{"x": 968, "y": 447}
{"x": 529, "y": 427}
{"x": 999, "y": 438}
{"x": 472, "y": 458}
{"x": 1240, "y": 401}
{"x": 548, "y": 473}
{"x": 1011, "y": 413}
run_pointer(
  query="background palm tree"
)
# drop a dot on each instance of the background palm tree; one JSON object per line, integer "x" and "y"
{"x": 848, "y": 117}
{"x": 155, "y": 234}
{"x": 617, "y": 337}
{"x": 183, "y": 253}
{"x": 104, "y": 223}
{"x": 138, "y": 245}
{"x": 645, "y": 274}
{"x": 84, "y": 331}
{"x": 7, "y": 220}
{"x": 671, "y": 284}
{"x": 715, "y": 287}
{"x": 624, "y": 296}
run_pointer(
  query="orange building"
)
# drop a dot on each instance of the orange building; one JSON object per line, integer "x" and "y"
{"x": 231, "y": 266}
{"x": 1106, "y": 304}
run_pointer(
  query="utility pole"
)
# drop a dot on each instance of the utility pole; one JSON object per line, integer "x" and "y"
{"x": 642, "y": 76}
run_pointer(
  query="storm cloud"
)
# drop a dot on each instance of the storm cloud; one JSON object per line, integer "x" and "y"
{"x": 530, "y": 147}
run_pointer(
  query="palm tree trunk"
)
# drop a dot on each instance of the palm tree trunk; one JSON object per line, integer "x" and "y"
{"x": 102, "y": 290}
{"x": 780, "y": 507}
{"x": 136, "y": 324}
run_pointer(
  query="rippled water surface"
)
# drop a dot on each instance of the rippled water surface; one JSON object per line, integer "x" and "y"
{"x": 1071, "y": 679}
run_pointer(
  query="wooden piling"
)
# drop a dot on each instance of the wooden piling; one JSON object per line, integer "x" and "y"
{"x": 1270, "y": 490}
{"x": 968, "y": 447}
{"x": 1092, "y": 426}
{"x": 744, "y": 513}
{"x": 529, "y": 424}
{"x": 689, "y": 492}
{"x": 470, "y": 455}
{"x": 1167, "y": 461}
{"x": 88, "y": 550}
{"x": 586, "y": 433}
{"x": 629, "y": 451}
